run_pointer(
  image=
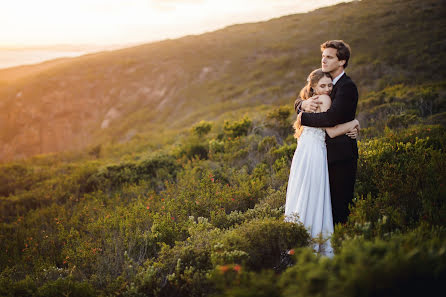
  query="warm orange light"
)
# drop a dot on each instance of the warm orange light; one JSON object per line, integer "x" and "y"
{"x": 24, "y": 22}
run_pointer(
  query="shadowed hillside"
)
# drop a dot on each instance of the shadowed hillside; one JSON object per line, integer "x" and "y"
{"x": 153, "y": 91}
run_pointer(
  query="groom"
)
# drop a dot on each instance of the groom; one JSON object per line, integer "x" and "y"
{"x": 342, "y": 151}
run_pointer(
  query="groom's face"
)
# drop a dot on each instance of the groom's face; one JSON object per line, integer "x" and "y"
{"x": 330, "y": 62}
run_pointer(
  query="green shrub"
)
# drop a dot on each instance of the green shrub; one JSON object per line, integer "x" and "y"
{"x": 15, "y": 178}
{"x": 405, "y": 265}
{"x": 278, "y": 120}
{"x": 202, "y": 128}
{"x": 156, "y": 169}
{"x": 264, "y": 240}
{"x": 412, "y": 264}
{"x": 237, "y": 128}
{"x": 66, "y": 287}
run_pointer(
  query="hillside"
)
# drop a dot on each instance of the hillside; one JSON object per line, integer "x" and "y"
{"x": 152, "y": 92}
{"x": 162, "y": 203}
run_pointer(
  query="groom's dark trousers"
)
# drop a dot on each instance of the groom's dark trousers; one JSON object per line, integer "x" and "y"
{"x": 342, "y": 151}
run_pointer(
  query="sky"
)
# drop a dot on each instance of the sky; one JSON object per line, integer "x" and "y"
{"x": 112, "y": 22}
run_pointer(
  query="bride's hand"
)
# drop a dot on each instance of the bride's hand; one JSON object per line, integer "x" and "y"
{"x": 358, "y": 126}
{"x": 353, "y": 134}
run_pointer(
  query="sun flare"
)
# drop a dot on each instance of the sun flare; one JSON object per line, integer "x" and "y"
{"x": 25, "y": 22}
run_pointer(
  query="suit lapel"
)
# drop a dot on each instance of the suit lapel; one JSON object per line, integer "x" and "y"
{"x": 336, "y": 87}
{"x": 333, "y": 92}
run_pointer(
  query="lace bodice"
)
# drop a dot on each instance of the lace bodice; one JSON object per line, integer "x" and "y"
{"x": 319, "y": 133}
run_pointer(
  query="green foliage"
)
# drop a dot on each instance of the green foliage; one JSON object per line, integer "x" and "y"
{"x": 202, "y": 128}
{"x": 156, "y": 169}
{"x": 17, "y": 178}
{"x": 400, "y": 184}
{"x": 179, "y": 208}
{"x": 411, "y": 264}
{"x": 263, "y": 240}
{"x": 95, "y": 151}
{"x": 66, "y": 287}
{"x": 168, "y": 224}
{"x": 400, "y": 106}
{"x": 279, "y": 120}
{"x": 194, "y": 150}
{"x": 237, "y": 128}
{"x": 404, "y": 265}
{"x": 246, "y": 284}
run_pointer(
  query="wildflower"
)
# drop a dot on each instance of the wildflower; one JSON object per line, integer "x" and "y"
{"x": 148, "y": 207}
{"x": 173, "y": 218}
{"x": 291, "y": 252}
{"x": 223, "y": 268}
{"x": 237, "y": 268}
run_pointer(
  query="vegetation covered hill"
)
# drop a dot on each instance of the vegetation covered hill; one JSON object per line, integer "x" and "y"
{"x": 202, "y": 214}
{"x": 161, "y": 88}
{"x": 206, "y": 218}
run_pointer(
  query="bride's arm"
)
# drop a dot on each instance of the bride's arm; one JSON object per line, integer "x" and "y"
{"x": 342, "y": 128}
{"x": 338, "y": 129}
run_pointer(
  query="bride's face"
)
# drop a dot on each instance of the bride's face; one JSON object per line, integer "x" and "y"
{"x": 324, "y": 86}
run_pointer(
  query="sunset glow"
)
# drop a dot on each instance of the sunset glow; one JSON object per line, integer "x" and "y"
{"x": 44, "y": 22}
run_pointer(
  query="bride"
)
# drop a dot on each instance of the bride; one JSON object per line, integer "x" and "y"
{"x": 308, "y": 193}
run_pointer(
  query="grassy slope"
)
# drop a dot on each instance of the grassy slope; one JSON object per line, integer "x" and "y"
{"x": 162, "y": 87}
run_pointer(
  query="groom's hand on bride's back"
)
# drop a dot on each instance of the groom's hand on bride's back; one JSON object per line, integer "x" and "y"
{"x": 311, "y": 104}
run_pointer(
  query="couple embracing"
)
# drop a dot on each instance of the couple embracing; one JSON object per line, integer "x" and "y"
{"x": 323, "y": 170}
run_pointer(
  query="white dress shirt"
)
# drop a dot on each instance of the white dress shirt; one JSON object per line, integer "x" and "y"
{"x": 335, "y": 80}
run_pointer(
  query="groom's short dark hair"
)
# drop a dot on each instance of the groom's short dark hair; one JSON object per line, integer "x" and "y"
{"x": 343, "y": 49}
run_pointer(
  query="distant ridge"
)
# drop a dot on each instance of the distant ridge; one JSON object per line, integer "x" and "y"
{"x": 17, "y": 56}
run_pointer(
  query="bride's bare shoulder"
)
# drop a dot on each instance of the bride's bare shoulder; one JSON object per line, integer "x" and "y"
{"x": 326, "y": 102}
{"x": 325, "y": 98}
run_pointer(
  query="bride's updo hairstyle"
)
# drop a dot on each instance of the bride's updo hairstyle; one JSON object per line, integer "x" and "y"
{"x": 307, "y": 92}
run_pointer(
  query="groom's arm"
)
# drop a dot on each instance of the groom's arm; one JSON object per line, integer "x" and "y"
{"x": 340, "y": 111}
{"x": 309, "y": 105}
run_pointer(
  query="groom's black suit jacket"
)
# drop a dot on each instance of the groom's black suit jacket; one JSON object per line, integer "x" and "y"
{"x": 344, "y": 98}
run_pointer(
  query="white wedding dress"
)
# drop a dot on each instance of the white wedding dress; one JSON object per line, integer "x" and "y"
{"x": 308, "y": 192}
